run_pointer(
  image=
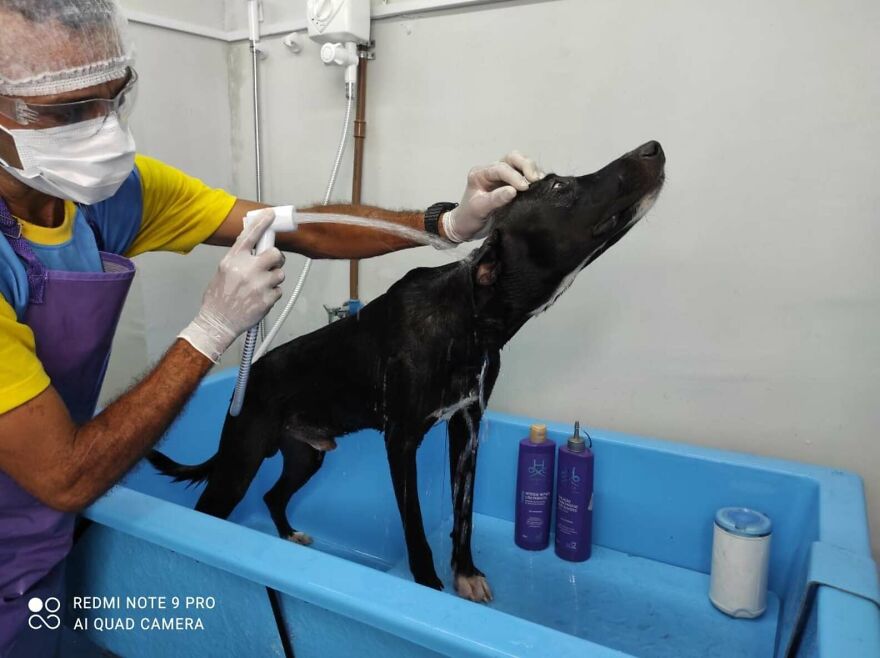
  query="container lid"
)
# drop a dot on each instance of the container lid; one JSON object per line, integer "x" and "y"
{"x": 538, "y": 433}
{"x": 743, "y": 521}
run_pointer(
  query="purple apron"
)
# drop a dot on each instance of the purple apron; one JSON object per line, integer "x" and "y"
{"x": 73, "y": 316}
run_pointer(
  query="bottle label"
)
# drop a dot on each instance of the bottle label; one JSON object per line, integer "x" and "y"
{"x": 535, "y": 498}
{"x": 564, "y": 504}
{"x": 535, "y": 522}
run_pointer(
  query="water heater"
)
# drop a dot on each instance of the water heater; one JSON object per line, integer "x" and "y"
{"x": 343, "y": 21}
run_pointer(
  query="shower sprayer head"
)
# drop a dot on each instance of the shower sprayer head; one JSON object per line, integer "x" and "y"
{"x": 284, "y": 222}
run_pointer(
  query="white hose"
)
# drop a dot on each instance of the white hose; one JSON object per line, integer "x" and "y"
{"x": 267, "y": 341}
{"x": 244, "y": 371}
{"x": 250, "y": 342}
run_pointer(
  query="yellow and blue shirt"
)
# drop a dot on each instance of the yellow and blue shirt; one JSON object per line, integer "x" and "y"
{"x": 158, "y": 208}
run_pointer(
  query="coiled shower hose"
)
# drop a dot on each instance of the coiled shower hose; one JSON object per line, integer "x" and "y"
{"x": 250, "y": 342}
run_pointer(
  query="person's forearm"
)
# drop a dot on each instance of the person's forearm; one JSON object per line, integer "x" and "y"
{"x": 105, "y": 448}
{"x": 338, "y": 241}
{"x": 346, "y": 241}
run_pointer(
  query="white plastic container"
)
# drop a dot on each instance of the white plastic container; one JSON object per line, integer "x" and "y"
{"x": 740, "y": 561}
{"x": 339, "y": 20}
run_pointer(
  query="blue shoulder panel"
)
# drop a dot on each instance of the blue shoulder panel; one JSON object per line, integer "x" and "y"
{"x": 118, "y": 219}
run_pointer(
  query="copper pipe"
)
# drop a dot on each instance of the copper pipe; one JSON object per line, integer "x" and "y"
{"x": 360, "y": 135}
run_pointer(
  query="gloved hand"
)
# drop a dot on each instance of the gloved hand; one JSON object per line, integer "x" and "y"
{"x": 242, "y": 291}
{"x": 489, "y": 188}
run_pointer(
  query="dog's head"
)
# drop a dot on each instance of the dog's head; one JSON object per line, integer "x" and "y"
{"x": 544, "y": 237}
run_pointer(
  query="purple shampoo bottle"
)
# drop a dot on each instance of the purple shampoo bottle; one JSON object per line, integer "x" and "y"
{"x": 534, "y": 490}
{"x": 574, "y": 500}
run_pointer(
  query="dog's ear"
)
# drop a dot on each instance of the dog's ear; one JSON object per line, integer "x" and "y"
{"x": 488, "y": 260}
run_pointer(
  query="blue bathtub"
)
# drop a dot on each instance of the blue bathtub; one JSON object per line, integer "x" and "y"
{"x": 233, "y": 588}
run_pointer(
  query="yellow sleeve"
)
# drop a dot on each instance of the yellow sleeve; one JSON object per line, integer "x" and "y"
{"x": 22, "y": 377}
{"x": 179, "y": 211}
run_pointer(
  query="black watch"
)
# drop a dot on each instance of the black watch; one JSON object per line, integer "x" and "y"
{"x": 432, "y": 216}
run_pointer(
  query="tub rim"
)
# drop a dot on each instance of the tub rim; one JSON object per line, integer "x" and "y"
{"x": 413, "y": 612}
{"x": 434, "y": 620}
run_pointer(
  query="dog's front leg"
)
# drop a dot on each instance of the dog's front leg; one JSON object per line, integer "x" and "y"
{"x": 464, "y": 428}
{"x": 401, "y": 449}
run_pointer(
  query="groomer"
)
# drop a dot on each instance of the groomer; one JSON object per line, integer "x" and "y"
{"x": 75, "y": 204}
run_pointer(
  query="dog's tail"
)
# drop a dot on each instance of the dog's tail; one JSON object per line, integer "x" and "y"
{"x": 180, "y": 472}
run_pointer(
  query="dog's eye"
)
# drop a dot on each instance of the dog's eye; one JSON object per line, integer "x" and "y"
{"x": 558, "y": 186}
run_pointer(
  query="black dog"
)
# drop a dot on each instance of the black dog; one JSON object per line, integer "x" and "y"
{"x": 427, "y": 349}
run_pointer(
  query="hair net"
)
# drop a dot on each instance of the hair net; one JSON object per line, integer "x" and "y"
{"x": 50, "y": 47}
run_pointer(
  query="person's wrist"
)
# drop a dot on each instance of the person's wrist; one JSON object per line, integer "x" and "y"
{"x": 208, "y": 336}
{"x": 441, "y": 226}
{"x": 194, "y": 353}
{"x": 434, "y": 221}
{"x": 447, "y": 228}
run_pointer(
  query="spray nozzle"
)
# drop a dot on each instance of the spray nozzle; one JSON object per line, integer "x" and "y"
{"x": 285, "y": 221}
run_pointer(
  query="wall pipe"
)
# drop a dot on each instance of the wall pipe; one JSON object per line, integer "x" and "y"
{"x": 258, "y": 156}
{"x": 254, "y": 19}
{"x": 360, "y": 136}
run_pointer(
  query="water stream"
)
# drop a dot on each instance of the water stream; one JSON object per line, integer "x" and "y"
{"x": 407, "y": 232}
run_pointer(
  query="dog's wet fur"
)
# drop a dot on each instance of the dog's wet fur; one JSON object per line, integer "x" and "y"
{"x": 424, "y": 350}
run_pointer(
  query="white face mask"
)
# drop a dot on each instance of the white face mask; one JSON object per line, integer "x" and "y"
{"x": 80, "y": 162}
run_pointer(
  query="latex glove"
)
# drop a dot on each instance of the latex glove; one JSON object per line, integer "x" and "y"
{"x": 242, "y": 291}
{"x": 489, "y": 188}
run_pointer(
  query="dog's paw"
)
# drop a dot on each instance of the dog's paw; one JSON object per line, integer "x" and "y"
{"x": 300, "y": 538}
{"x": 430, "y": 580}
{"x": 473, "y": 588}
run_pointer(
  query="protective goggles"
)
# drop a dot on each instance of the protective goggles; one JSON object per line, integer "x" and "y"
{"x": 36, "y": 116}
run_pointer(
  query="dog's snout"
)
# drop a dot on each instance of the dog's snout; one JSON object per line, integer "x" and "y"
{"x": 650, "y": 150}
